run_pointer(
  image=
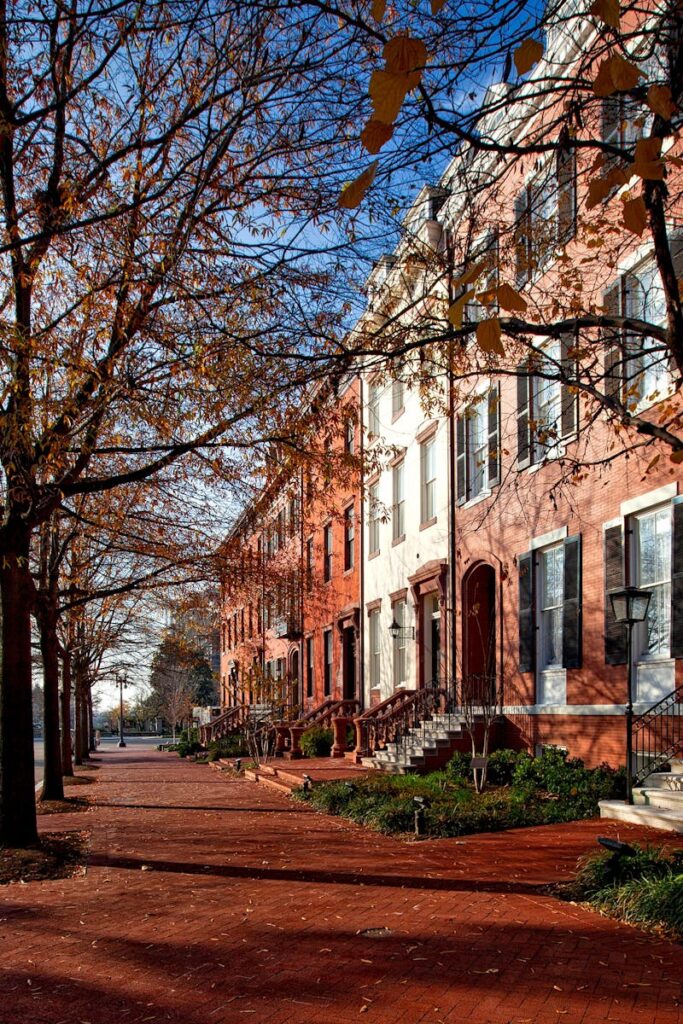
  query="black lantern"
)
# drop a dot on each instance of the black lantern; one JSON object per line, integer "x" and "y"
{"x": 399, "y": 632}
{"x": 630, "y": 605}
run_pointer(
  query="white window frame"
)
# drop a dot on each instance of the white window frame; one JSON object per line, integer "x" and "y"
{"x": 550, "y": 607}
{"x": 374, "y": 626}
{"x": 428, "y": 480}
{"x": 547, "y": 403}
{"x": 398, "y": 508}
{"x": 373, "y": 518}
{"x": 399, "y": 611}
{"x": 397, "y": 397}
{"x": 373, "y": 410}
{"x": 660, "y": 586}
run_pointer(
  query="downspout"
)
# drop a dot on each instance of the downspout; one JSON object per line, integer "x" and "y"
{"x": 361, "y": 624}
{"x": 302, "y": 590}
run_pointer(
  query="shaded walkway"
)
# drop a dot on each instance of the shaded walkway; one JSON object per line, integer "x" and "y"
{"x": 253, "y": 907}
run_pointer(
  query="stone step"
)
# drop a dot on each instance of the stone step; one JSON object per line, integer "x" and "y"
{"x": 677, "y": 766}
{"x": 278, "y": 785}
{"x": 665, "y": 780}
{"x": 640, "y": 814}
{"x": 671, "y": 800}
{"x": 251, "y": 775}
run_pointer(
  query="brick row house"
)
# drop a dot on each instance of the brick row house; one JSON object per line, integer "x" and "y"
{"x": 498, "y": 507}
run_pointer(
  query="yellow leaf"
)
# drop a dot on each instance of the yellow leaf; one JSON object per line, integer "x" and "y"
{"x": 635, "y": 215}
{"x": 378, "y": 9}
{"x": 472, "y": 274}
{"x": 437, "y": 5}
{"x": 375, "y": 134}
{"x": 677, "y": 457}
{"x": 387, "y": 92}
{"x": 352, "y": 195}
{"x": 510, "y": 299}
{"x": 607, "y": 10}
{"x": 527, "y": 54}
{"x": 457, "y": 308}
{"x": 488, "y": 336}
{"x": 659, "y": 100}
{"x": 487, "y": 297}
{"x": 403, "y": 54}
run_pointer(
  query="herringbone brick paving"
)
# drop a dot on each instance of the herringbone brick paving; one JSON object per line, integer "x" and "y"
{"x": 253, "y": 906}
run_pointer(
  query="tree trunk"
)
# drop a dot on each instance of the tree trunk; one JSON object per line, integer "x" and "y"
{"x": 53, "y": 786}
{"x": 92, "y": 746}
{"x": 18, "y": 826}
{"x": 67, "y": 751}
{"x": 85, "y": 742}
{"x": 78, "y": 713}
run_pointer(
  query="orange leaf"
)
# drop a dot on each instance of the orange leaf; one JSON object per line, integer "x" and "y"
{"x": 659, "y": 100}
{"x": 527, "y": 54}
{"x": 510, "y": 299}
{"x": 352, "y": 195}
{"x": 635, "y": 215}
{"x": 457, "y": 308}
{"x": 602, "y": 83}
{"x": 387, "y": 92}
{"x": 437, "y": 5}
{"x": 488, "y": 336}
{"x": 403, "y": 54}
{"x": 472, "y": 274}
{"x": 625, "y": 75}
{"x": 607, "y": 10}
{"x": 378, "y": 9}
{"x": 375, "y": 134}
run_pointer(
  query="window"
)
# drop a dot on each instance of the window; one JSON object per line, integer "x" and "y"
{"x": 309, "y": 564}
{"x": 350, "y": 437}
{"x": 309, "y": 666}
{"x": 327, "y": 553}
{"x": 551, "y": 604}
{"x": 428, "y": 480}
{"x": 373, "y": 518}
{"x": 623, "y": 120}
{"x": 399, "y": 610}
{"x": 488, "y": 254}
{"x": 636, "y": 366}
{"x": 478, "y": 447}
{"x": 652, "y": 536}
{"x": 398, "y": 511}
{"x": 349, "y": 538}
{"x": 397, "y": 398}
{"x": 375, "y": 655}
{"x": 547, "y": 404}
{"x": 545, "y": 214}
{"x": 327, "y": 662}
{"x": 373, "y": 410}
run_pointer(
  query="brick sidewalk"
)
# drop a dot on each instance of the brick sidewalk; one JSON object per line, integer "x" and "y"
{"x": 254, "y": 907}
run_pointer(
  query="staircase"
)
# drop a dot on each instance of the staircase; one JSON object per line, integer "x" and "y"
{"x": 657, "y": 768}
{"x": 424, "y": 748}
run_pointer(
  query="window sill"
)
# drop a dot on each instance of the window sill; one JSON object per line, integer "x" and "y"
{"x": 373, "y": 554}
{"x": 397, "y": 415}
{"x": 427, "y": 523}
{"x": 398, "y": 540}
{"x": 477, "y": 500}
{"x": 349, "y": 571}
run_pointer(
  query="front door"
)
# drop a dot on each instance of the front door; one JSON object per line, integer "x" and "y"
{"x": 349, "y": 651}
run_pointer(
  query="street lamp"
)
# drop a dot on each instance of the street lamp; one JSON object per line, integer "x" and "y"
{"x": 629, "y": 606}
{"x": 122, "y": 681}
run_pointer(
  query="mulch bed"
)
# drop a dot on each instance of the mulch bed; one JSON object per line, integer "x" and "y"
{"x": 66, "y": 806}
{"x": 58, "y": 855}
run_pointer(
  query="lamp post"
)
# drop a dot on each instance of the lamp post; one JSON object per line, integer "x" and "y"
{"x": 629, "y": 606}
{"x": 122, "y": 681}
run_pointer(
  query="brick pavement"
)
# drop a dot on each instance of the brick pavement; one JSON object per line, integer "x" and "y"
{"x": 254, "y": 906}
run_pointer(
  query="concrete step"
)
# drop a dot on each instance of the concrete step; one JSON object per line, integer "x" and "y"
{"x": 278, "y": 785}
{"x": 251, "y": 774}
{"x": 665, "y": 780}
{"x": 640, "y": 814}
{"x": 677, "y": 766}
{"x": 670, "y": 800}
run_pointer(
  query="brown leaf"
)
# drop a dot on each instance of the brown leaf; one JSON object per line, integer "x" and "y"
{"x": 488, "y": 336}
{"x": 379, "y": 9}
{"x": 677, "y": 457}
{"x": 598, "y": 189}
{"x": 660, "y": 101}
{"x": 607, "y": 10}
{"x": 510, "y": 299}
{"x": 472, "y": 274}
{"x": 603, "y": 84}
{"x": 457, "y": 308}
{"x": 375, "y": 134}
{"x": 527, "y": 54}
{"x": 403, "y": 54}
{"x": 635, "y": 215}
{"x": 625, "y": 75}
{"x": 650, "y": 170}
{"x": 648, "y": 149}
{"x": 387, "y": 92}
{"x": 352, "y": 195}
{"x": 437, "y": 5}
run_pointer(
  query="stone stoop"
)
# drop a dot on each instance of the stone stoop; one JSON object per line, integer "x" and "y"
{"x": 284, "y": 779}
{"x": 658, "y": 803}
{"x": 426, "y": 747}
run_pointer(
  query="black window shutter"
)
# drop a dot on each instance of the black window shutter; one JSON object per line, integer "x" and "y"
{"x": 523, "y": 417}
{"x": 522, "y": 238}
{"x": 571, "y": 610}
{"x": 461, "y": 460}
{"x": 613, "y": 344}
{"x": 566, "y": 194}
{"x": 569, "y": 397}
{"x": 527, "y": 632}
{"x": 615, "y": 632}
{"x": 494, "y": 436}
{"x": 677, "y": 579}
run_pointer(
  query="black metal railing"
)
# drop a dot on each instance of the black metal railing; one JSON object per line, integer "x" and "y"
{"x": 657, "y": 736}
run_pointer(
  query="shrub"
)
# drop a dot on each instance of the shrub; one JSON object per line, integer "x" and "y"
{"x": 459, "y": 765}
{"x": 600, "y": 871}
{"x": 501, "y": 766}
{"x": 228, "y": 746}
{"x": 650, "y": 902}
{"x": 317, "y": 742}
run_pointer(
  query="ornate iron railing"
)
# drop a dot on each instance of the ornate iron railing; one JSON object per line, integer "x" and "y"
{"x": 393, "y": 719}
{"x": 324, "y": 713}
{"x": 232, "y": 720}
{"x": 657, "y": 736}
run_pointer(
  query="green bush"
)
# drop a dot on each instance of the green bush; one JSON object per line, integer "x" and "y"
{"x": 600, "y": 871}
{"x": 228, "y": 746}
{"x": 459, "y": 765}
{"x": 317, "y": 742}
{"x": 501, "y": 766}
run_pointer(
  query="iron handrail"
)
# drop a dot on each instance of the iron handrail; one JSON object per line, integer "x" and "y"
{"x": 657, "y": 736}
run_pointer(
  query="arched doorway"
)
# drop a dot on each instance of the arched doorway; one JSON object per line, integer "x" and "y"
{"x": 479, "y": 631}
